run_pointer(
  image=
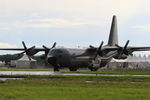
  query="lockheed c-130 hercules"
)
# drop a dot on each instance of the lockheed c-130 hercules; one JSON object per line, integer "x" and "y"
{"x": 76, "y": 58}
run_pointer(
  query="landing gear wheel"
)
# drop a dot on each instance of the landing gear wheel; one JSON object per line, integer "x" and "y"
{"x": 56, "y": 68}
{"x": 93, "y": 68}
{"x": 73, "y": 68}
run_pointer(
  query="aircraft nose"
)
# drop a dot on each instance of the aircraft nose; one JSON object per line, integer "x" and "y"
{"x": 52, "y": 60}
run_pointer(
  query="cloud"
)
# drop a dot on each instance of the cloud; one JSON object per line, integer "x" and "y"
{"x": 7, "y": 45}
{"x": 57, "y": 23}
{"x": 85, "y": 8}
{"x": 95, "y": 10}
{"x": 44, "y": 23}
{"x": 34, "y": 17}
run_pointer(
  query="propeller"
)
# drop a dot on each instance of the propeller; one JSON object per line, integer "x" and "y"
{"x": 28, "y": 51}
{"x": 47, "y": 49}
{"x": 125, "y": 50}
{"x": 53, "y": 60}
{"x": 99, "y": 50}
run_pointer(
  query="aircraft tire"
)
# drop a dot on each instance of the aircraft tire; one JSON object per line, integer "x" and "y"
{"x": 93, "y": 69}
{"x": 73, "y": 68}
{"x": 56, "y": 68}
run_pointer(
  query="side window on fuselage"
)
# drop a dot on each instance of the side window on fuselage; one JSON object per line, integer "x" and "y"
{"x": 56, "y": 51}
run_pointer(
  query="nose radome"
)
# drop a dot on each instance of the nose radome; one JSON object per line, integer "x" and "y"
{"x": 52, "y": 60}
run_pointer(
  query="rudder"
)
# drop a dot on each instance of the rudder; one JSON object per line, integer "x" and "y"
{"x": 113, "y": 36}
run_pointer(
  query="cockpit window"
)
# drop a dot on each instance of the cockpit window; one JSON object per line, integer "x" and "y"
{"x": 56, "y": 51}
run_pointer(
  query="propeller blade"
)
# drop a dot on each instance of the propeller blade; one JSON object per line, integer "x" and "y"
{"x": 126, "y": 44}
{"x": 95, "y": 56}
{"x": 54, "y": 45}
{"x": 118, "y": 46}
{"x": 92, "y": 46}
{"x": 32, "y": 48}
{"x": 20, "y": 53}
{"x": 29, "y": 57}
{"x": 45, "y": 47}
{"x": 131, "y": 54}
{"x": 24, "y": 45}
{"x": 28, "y": 51}
{"x": 101, "y": 45}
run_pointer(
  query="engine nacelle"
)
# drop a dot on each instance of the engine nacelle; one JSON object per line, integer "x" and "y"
{"x": 121, "y": 57}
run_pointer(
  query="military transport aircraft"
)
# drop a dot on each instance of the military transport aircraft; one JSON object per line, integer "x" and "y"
{"x": 92, "y": 57}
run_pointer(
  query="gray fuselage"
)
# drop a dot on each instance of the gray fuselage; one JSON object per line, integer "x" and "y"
{"x": 66, "y": 57}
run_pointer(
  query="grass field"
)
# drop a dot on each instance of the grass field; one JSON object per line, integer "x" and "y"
{"x": 123, "y": 71}
{"x": 76, "y": 88}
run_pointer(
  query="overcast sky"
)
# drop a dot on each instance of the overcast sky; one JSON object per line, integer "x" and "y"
{"x": 73, "y": 23}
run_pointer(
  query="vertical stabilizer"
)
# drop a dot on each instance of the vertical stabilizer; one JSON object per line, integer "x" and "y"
{"x": 113, "y": 36}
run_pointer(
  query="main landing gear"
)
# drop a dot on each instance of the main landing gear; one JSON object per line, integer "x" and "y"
{"x": 56, "y": 68}
{"x": 73, "y": 68}
{"x": 93, "y": 68}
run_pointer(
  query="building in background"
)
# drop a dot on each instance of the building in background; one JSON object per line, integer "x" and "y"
{"x": 132, "y": 62}
{"x": 24, "y": 62}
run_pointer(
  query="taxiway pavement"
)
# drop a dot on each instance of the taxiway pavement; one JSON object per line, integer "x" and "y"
{"x": 57, "y": 73}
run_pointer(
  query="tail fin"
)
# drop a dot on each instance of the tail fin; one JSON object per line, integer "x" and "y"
{"x": 113, "y": 36}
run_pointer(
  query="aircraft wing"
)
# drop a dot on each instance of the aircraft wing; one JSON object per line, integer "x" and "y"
{"x": 29, "y": 51}
{"x": 22, "y": 49}
{"x": 129, "y": 48}
{"x": 139, "y": 48}
{"x": 32, "y": 50}
{"x": 17, "y": 49}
